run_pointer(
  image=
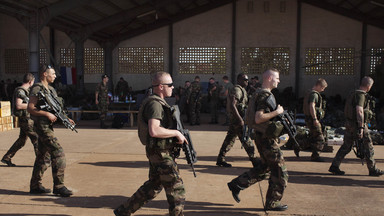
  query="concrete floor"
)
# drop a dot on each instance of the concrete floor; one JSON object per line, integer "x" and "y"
{"x": 105, "y": 166}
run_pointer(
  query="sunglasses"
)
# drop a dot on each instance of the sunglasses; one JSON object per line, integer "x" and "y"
{"x": 49, "y": 66}
{"x": 167, "y": 84}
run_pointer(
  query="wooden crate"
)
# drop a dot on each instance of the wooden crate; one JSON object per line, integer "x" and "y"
{"x": 5, "y": 108}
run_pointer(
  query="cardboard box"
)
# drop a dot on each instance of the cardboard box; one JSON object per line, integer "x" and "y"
{"x": 5, "y": 108}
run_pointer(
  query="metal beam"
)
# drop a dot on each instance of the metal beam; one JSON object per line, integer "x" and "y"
{"x": 363, "y": 51}
{"x": 59, "y": 8}
{"x": 122, "y": 17}
{"x": 233, "y": 45}
{"x": 298, "y": 49}
{"x": 172, "y": 19}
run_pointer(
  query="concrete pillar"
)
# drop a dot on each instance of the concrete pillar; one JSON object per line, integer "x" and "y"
{"x": 34, "y": 46}
{"x": 79, "y": 56}
{"x": 108, "y": 62}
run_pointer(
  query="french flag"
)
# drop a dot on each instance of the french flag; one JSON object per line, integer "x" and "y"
{"x": 68, "y": 75}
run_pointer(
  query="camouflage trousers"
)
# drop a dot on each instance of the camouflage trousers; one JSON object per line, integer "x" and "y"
{"x": 349, "y": 138}
{"x": 272, "y": 166}
{"x": 26, "y": 130}
{"x": 194, "y": 112}
{"x": 48, "y": 144}
{"x": 163, "y": 173}
{"x": 213, "y": 105}
{"x": 236, "y": 130}
{"x": 103, "y": 108}
{"x": 316, "y": 137}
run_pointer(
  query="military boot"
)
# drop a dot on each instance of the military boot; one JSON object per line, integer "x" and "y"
{"x": 235, "y": 189}
{"x": 121, "y": 211}
{"x": 316, "y": 157}
{"x": 335, "y": 170}
{"x": 376, "y": 172}
{"x": 8, "y": 162}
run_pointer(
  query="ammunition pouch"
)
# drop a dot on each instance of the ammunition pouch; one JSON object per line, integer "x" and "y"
{"x": 320, "y": 113}
{"x": 368, "y": 115}
{"x": 270, "y": 129}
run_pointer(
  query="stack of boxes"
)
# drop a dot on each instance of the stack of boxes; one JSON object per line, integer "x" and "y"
{"x": 6, "y": 119}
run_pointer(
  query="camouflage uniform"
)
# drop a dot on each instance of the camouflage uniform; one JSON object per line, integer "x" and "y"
{"x": 235, "y": 129}
{"x": 351, "y": 128}
{"x": 316, "y": 137}
{"x": 47, "y": 143}
{"x": 214, "y": 102}
{"x": 25, "y": 124}
{"x": 103, "y": 100}
{"x": 163, "y": 170}
{"x": 122, "y": 89}
{"x": 271, "y": 164}
{"x": 194, "y": 99}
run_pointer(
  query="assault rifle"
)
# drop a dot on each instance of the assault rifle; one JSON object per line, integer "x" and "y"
{"x": 359, "y": 150}
{"x": 51, "y": 104}
{"x": 288, "y": 122}
{"x": 189, "y": 151}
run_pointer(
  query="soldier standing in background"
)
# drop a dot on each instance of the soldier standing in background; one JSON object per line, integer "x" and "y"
{"x": 102, "y": 100}
{"x": 47, "y": 143}
{"x": 272, "y": 160}
{"x": 227, "y": 87}
{"x": 357, "y": 113}
{"x": 314, "y": 112}
{"x": 122, "y": 89}
{"x": 19, "y": 109}
{"x": 237, "y": 104}
{"x": 154, "y": 123}
{"x": 213, "y": 95}
{"x": 194, "y": 101}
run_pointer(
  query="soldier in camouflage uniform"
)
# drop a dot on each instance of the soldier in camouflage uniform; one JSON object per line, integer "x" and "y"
{"x": 20, "y": 101}
{"x": 357, "y": 113}
{"x": 47, "y": 142}
{"x": 102, "y": 100}
{"x": 154, "y": 120}
{"x": 213, "y": 91}
{"x": 236, "y": 106}
{"x": 122, "y": 89}
{"x": 314, "y": 112}
{"x": 271, "y": 156}
{"x": 194, "y": 102}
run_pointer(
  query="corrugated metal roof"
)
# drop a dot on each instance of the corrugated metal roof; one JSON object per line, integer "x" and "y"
{"x": 111, "y": 20}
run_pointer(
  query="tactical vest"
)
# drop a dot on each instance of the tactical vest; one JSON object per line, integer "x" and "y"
{"x": 167, "y": 122}
{"x": 24, "y": 96}
{"x": 318, "y": 106}
{"x": 350, "y": 106}
{"x": 241, "y": 106}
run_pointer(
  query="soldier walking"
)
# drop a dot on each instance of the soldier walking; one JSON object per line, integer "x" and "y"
{"x": 314, "y": 112}
{"x": 154, "y": 123}
{"x": 47, "y": 143}
{"x": 236, "y": 106}
{"x": 357, "y": 113}
{"x": 271, "y": 157}
{"x": 102, "y": 100}
{"x": 19, "y": 106}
